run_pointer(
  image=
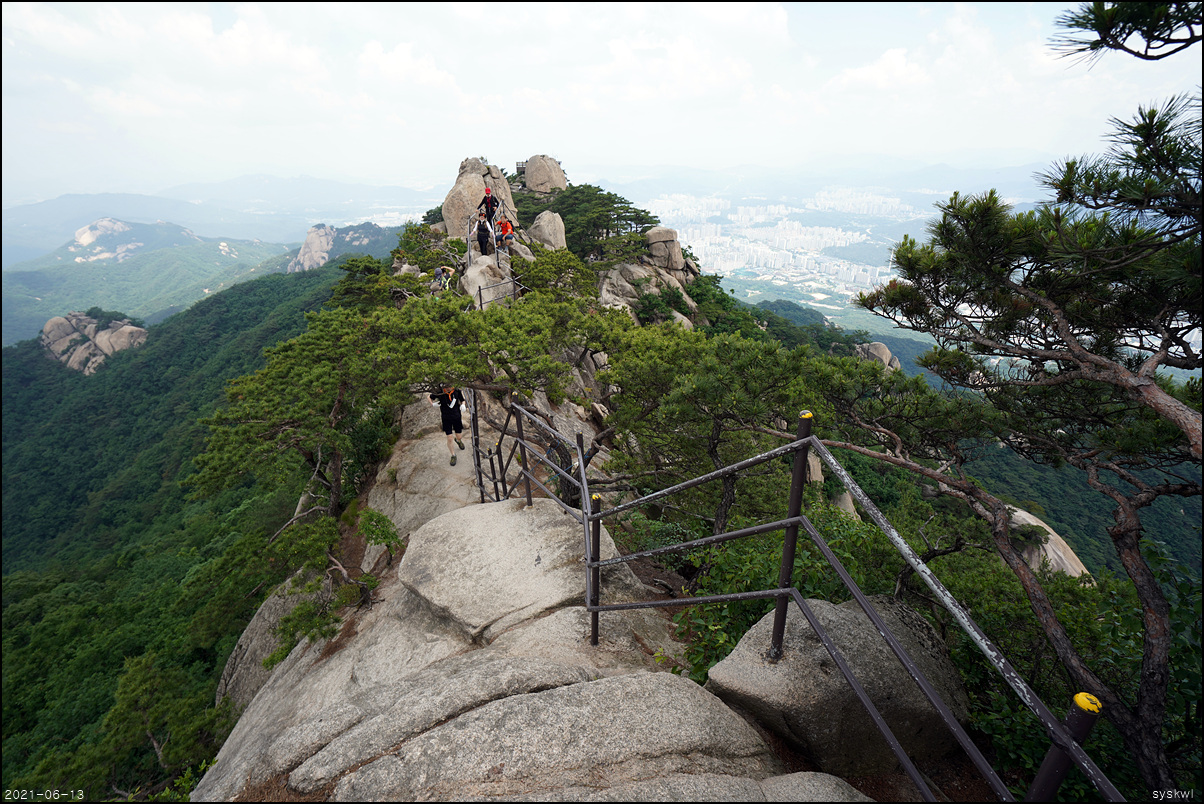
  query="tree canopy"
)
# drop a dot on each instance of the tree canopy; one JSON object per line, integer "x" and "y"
{"x": 1056, "y": 323}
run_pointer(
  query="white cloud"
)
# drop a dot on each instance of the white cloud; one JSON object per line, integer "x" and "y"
{"x": 891, "y": 71}
{"x": 397, "y": 91}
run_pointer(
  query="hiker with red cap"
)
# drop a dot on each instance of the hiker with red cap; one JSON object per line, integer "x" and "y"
{"x": 489, "y": 203}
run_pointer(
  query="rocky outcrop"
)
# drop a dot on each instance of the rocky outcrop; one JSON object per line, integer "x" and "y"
{"x": 108, "y": 239}
{"x": 323, "y": 243}
{"x": 1060, "y": 555}
{"x": 487, "y": 280}
{"x": 471, "y": 676}
{"x": 544, "y": 175}
{"x": 621, "y": 286}
{"x": 87, "y": 235}
{"x": 244, "y": 673}
{"x": 461, "y": 201}
{"x": 78, "y": 341}
{"x": 665, "y": 253}
{"x": 879, "y": 352}
{"x": 805, "y": 699}
{"x": 315, "y": 251}
{"x": 548, "y": 229}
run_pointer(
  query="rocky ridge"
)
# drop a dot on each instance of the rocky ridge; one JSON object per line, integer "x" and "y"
{"x": 471, "y": 675}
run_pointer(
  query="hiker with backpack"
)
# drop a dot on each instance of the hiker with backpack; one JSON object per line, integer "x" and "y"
{"x": 445, "y": 277}
{"x": 450, "y": 403}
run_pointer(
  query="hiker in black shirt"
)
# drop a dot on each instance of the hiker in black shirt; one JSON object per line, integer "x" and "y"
{"x": 450, "y": 402}
{"x": 489, "y": 205}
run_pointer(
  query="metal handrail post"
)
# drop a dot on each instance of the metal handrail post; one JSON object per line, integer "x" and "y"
{"x": 593, "y": 531}
{"x": 522, "y": 456}
{"x": 497, "y": 496}
{"x": 798, "y": 478}
{"x": 1084, "y": 711}
{"x": 595, "y": 581}
{"x": 476, "y": 445}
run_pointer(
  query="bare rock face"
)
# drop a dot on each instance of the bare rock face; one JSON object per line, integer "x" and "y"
{"x": 806, "y": 700}
{"x": 1056, "y": 551}
{"x": 244, "y": 673}
{"x": 87, "y": 235}
{"x": 315, "y": 251}
{"x": 323, "y": 243}
{"x": 461, "y": 202}
{"x": 664, "y": 248}
{"x": 543, "y": 174}
{"x": 487, "y": 280}
{"x": 76, "y": 340}
{"x": 620, "y": 287}
{"x": 472, "y": 676}
{"x": 548, "y": 229}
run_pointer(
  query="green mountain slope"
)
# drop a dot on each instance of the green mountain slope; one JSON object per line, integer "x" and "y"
{"x": 142, "y": 270}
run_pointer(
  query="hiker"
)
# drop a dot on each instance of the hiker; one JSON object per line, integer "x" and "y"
{"x": 490, "y": 205}
{"x": 450, "y": 402}
{"x": 445, "y": 277}
{"x": 504, "y": 233}
{"x": 481, "y": 228}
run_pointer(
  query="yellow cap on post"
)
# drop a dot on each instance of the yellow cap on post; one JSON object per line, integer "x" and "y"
{"x": 1088, "y": 703}
{"x": 806, "y": 414}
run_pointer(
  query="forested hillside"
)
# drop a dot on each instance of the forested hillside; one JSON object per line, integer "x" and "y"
{"x": 122, "y": 599}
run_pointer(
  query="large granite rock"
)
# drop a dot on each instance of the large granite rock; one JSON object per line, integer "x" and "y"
{"x": 323, "y": 243}
{"x": 543, "y": 174}
{"x": 472, "y": 676}
{"x": 548, "y": 229}
{"x": 879, "y": 352}
{"x": 244, "y": 673}
{"x": 315, "y": 251}
{"x": 81, "y": 344}
{"x": 805, "y": 699}
{"x": 595, "y": 734}
{"x": 664, "y": 248}
{"x": 417, "y": 483}
{"x": 487, "y": 280}
{"x": 520, "y": 572}
{"x": 460, "y": 204}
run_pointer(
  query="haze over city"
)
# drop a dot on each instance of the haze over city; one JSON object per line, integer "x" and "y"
{"x": 142, "y": 97}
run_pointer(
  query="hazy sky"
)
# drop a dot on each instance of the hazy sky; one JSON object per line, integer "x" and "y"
{"x": 103, "y": 97}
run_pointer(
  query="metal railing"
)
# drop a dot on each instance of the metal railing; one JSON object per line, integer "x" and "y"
{"x": 572, "y": 478}
{"x": 515, "y": 291}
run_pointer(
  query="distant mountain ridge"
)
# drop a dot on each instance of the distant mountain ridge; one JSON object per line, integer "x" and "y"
{"x": 34, "y": 230}
{"x": 246, "y": 208}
